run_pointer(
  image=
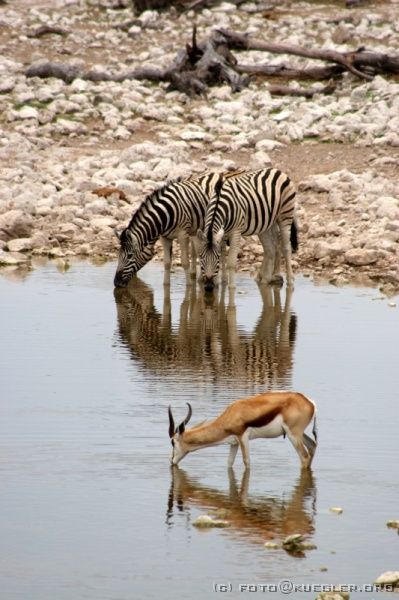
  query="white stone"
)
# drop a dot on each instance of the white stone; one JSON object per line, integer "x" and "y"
{"x": 12, "y": 258}
{"x": 267, "y": 145}
{"x": 361, "y": 256}
{"x": 281, "y": 116}
{"x": 15, "y": 223}
{"x": 28, "y": 112}
{"x": 191, "y": 135}
{"x": 20, "y": 245}
{"x": 260, "y": 160}
{"x": 326, "y": 249}
{"x": 103, "y": 222}
{"x": 7, "y": 85}
{"x": 79, "y": 85}
{"x": 387, "y": 207}
{"x": 387, "y": 578}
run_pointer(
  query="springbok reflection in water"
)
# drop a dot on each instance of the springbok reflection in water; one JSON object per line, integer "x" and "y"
{"x": 206, "y": 340}
{"x": 257, "y": 518}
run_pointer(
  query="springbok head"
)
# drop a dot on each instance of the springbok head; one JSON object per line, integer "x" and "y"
{"x": 179, "y": 450}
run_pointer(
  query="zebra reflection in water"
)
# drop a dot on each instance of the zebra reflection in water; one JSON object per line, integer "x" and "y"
{"x": 255, "y": 517}
{"x": 206, "y": 340}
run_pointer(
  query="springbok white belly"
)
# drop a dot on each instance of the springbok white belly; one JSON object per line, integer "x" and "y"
{"x": 271, "y": 430}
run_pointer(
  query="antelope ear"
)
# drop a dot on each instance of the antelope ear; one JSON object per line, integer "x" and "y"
{"x": 201, "y": 235}
{"x": 219, "y": 236}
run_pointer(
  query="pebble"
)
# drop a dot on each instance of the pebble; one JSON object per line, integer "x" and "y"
{"x": 388, "y": 578}
{"x": 394, "y": 524}
{"x": 208, "y": 521}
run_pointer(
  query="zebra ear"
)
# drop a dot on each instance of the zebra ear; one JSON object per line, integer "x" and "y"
{"x": 118, "y": 234}
{"x": 201, "y": 235}
{"x": 219, "y": 236}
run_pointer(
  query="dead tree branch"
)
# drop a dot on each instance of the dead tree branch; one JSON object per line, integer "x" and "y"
{"x": 209, "y": 62}
{"x": 352, "y": 61}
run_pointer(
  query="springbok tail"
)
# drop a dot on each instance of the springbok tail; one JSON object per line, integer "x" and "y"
{"x": 314, "y": 430}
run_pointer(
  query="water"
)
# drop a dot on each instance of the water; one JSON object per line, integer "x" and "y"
{"x": 89, "y": 507}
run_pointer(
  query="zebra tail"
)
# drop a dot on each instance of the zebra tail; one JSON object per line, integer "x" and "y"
{"x": 314, "y": 430}
{"x": 294, "y": 236}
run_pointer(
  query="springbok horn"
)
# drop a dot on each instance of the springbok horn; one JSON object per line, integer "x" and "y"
{"x": 171, "y": 423}
{"x": 183, "y": 424}
{"x": 190, "y": 412}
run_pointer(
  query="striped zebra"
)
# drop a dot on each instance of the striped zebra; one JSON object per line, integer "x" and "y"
{"x": 175, "y": 211}
{"x": 256, "y": 202}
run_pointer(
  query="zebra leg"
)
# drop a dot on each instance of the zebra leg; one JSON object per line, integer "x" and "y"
{"x": 265, "y": 274}
{"x": 193, "y": 257}
{"x": 285, "y": 231}
{"x": 167, "y": 258}
{"x": 223, "y": 262}
{"x": 277, "y": 278}
{"x": 232, "y": 257}
{"x": 184, "y": 242}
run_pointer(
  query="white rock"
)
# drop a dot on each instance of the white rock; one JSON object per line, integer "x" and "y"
{"x": 361, "y": 256}
{"x": 326, "y": 249}
{"x": 260, "y": 160}
{"x": 12, "y": 258}
{"x": 79, "y": 85}
{"x": 103, "y": 222}
{"x": 149, "y": 16}
{"x": 267, "y": 145}
{"x": 387, "y": 207}
{"x": 191, "y": 135}
{"x": 28, "y": 112}
{"x": 15, "y": 223}
{"x": 281, "y": 116}
{"x": 7, "y": 85}
{"x": 20, "y": 245}
{"x": 163, "y": 169}
{"x": 317, "y": 183}
{"x": 388, "y": 578}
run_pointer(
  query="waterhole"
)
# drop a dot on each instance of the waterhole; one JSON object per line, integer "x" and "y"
{"x": 89, "y": 506}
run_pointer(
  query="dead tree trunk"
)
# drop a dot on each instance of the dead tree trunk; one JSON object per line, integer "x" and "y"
{"x": 210, "y": 62}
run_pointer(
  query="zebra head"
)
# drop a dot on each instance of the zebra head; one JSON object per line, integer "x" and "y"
{"x": 210, "y": 255}
{"x": 132, "y": 257}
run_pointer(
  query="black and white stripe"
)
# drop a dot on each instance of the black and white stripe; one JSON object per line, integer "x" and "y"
{"x": 257, "y": 202}
{"x": 176, "y": 210}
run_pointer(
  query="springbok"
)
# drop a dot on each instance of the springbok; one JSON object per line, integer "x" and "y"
{"x": 267, "y": 415}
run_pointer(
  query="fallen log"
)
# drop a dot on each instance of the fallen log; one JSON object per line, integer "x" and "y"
{"x": 317, "y": 73}
{"x": 46, "y": 30}
{"x": 285, "y": 90}
{"x": 201, "y": 65}
{"x": 352, "y": 61}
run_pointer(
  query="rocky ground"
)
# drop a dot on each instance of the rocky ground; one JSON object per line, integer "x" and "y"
{"x": 61, "y": 141}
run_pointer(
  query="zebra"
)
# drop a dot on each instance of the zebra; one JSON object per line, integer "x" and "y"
{"x": 176, "y": 210}
{"x": 258, "y": 202}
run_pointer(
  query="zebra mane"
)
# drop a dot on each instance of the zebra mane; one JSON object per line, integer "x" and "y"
{"x": 154, "y": 195}
{"x": 217, "y": 190}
